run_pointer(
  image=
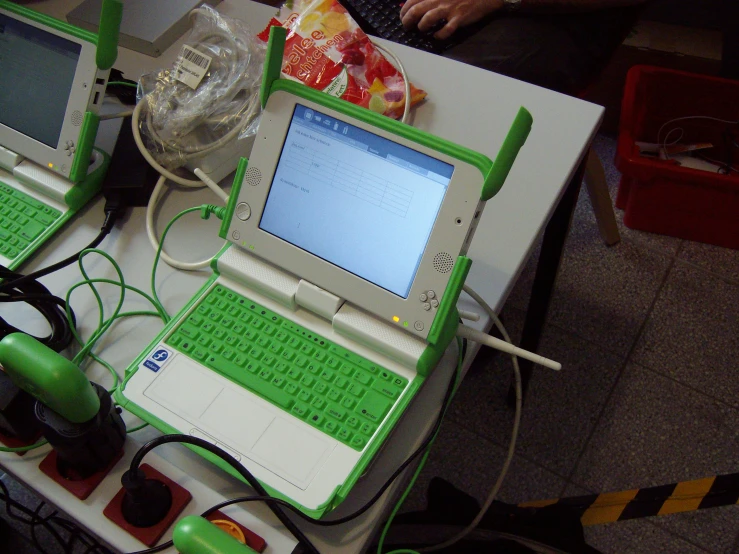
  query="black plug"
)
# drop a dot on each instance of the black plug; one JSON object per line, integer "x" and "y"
{"x": 147, "y": 501}
{"x": 17, "y": 418}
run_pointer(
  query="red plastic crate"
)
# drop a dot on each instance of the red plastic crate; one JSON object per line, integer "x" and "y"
{"x": 658, "y": 195}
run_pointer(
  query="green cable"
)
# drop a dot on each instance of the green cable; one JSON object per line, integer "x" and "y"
{"x": 105, "y": 324}
{"x": 159, "y": 252}
{"x": 421, "y": 464}
{"x": 122, "y": 84}
{"x": 23, "y": 448}
{"x": 137, "y": 428}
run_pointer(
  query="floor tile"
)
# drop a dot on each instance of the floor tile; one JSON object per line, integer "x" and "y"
{"x": 472, "y": 464}
{"x": 602, "y": 293}
{"x": 560, "y": 408}
{"x": 655, "y": 431}
{"x": 691, "y": 334}
{"x": 714, "y": 529}
{"x": 636, "y": 536}
{"x": 722, "y": 261}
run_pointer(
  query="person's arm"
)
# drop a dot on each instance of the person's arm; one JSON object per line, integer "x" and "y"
{"x": 450, "y": 15}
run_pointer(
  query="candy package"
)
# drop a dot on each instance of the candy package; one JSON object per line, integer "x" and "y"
{"x": 326, "y": 50}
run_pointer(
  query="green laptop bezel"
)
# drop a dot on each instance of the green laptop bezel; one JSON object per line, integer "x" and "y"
{"x": 75, "y": 167}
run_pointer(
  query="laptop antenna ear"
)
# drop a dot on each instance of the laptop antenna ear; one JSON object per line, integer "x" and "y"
{"x": 272, "y": 61}
{"x": 110, "y": 24}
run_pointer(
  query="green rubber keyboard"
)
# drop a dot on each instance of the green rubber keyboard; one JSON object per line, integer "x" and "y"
{"x": 332, "y": 389}
{"x": 22, "y": 219}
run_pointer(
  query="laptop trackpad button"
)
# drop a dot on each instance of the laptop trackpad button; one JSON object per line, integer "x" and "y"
{"x": 292, "y": 451}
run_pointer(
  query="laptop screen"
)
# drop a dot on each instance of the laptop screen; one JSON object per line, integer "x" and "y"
{"x": 355, "y": 199}
{"x": 36, "y": 74}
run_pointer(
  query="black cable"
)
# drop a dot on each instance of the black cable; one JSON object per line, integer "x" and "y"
{"x": 274, "y": 503}
{"x": 230, "y": 460}
{"x": 16, "y": 287}
{"x": 111, "y": 216}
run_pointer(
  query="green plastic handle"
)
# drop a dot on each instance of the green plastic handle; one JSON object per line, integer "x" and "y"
{"x": 49, "y": 377}
{"x": 197, "y": 535}
{"x": 514, "y": 141}
{"x": 110, "y": 24}
{"x": 272, "y": 61}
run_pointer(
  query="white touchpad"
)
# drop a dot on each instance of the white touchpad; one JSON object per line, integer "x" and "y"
{"x": 241, "y": 421}
{"x": 290, "y": 450}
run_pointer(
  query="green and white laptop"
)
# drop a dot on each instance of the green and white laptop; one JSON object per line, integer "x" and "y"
{"x": 52, "y": 85}
{"x": 334, "y": 299}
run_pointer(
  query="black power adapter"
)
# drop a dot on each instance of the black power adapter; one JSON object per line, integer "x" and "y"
{"x": 130, "y": 179}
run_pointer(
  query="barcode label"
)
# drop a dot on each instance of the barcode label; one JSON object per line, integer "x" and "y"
{"x": 191, "y": 66}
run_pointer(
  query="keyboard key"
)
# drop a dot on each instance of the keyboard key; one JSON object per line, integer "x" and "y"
{"x": 330, "y": 427}
{"x": 362, "y": 377}
{"x": 357, "y": 442}
{"x": 367, "y": 429}
{"x": 374, "y": 406}
{"x": 318, "y": 403}
{"x": 388, "y": 389}
{"x": 300, "y": 410}
{"x": 337, "y": 412}
{"x": 305, "y": 395}
{"x": 353, "y": 422}
{"x": 344, "y": 434}
{"x": 355, "y": 390}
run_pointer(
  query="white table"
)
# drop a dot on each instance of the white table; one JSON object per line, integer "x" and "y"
{"x": 465, "y": 105}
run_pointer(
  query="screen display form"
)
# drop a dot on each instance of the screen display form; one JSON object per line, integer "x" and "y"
{"x": 36, "y": 73}
{"x": 355, "y": 199}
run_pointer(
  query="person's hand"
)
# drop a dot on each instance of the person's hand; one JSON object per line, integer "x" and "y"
{"x": 452, "y": 14}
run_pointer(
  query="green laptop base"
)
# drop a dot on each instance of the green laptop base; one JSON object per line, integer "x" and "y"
{"x": 322, "y": 384}
{"x": 26, "y": 223}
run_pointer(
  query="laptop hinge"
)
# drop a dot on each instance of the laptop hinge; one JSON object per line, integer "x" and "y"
{"x": 317, "y": 300}
{"x": 9, "y": 159}
{"x": 374, "y": 333}
{"x": 42, "y": 180}
{"x": 259, "y": 275}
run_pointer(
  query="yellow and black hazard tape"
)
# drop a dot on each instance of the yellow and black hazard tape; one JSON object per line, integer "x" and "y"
{"x": 685, "y": 496}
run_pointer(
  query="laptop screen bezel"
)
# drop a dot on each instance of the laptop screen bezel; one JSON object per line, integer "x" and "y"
{"x": 449, "y": 237}
{"x": 85, "y": 85}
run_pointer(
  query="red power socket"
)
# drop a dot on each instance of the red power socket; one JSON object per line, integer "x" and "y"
{"x": 149, "y": 535}
{"x": 78, "y": 486}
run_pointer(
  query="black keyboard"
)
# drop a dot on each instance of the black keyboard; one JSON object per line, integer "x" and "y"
{"x": 381, "y": 18}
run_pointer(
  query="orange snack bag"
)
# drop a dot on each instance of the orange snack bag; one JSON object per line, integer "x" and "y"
{"x": 326, "y": 50}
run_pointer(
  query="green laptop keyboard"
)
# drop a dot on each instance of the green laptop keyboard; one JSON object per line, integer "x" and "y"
{"x": 321, "y": 383}
{"x": 22, "y": 219}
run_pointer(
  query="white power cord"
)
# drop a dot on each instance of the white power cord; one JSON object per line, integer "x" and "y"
{"x": 485, "y": 339}
{"x": 399, "y": 66}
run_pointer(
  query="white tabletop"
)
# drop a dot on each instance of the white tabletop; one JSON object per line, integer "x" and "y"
{"x": 466, "y": 105}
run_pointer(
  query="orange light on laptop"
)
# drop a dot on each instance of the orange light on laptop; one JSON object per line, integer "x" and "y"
{"x": 396, "y": 319}
{"x": 51, "y": 165}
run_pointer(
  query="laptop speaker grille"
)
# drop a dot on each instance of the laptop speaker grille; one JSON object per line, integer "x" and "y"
{"x": 443, "y": 262}
{"x": 77, "y": 118}
{"x": 253, "y": 176}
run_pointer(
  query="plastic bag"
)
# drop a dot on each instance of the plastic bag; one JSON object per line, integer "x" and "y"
{"x": 326, "y": 50}
{"x": 209, "y": 98}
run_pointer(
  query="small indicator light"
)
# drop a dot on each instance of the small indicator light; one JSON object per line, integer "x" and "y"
{"x": 251, "y": 247}
{"x": 51, "y": 165}
{"x": 396, "y": 318}
{"x": 405, "y": 324}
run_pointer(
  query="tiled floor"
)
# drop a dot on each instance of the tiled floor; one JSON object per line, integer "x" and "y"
{"x": 646, "y": 332}
{"x": 649, "y": 392}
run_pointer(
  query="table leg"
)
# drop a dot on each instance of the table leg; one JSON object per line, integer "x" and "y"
{"x": 553, "y": 243}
